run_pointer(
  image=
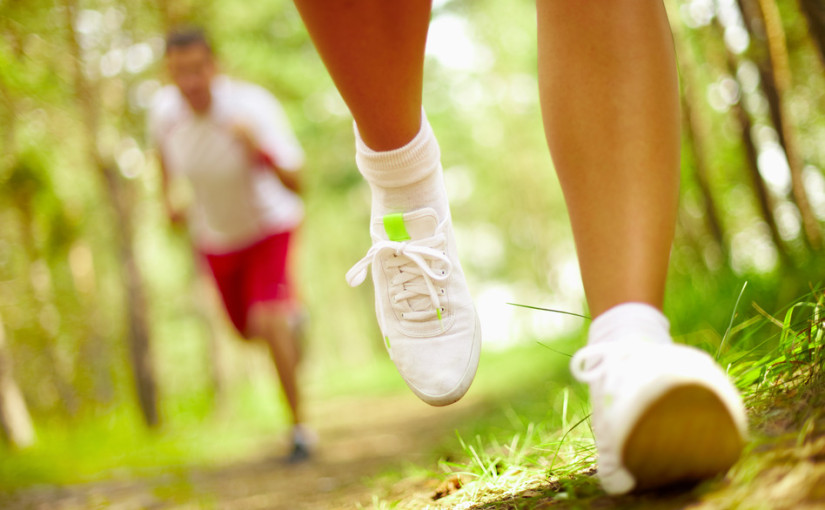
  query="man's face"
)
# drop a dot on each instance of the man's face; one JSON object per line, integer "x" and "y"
{"x": 192, "y": 68}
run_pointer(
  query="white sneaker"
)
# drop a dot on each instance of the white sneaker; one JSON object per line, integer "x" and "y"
{"x": 424, "y": 309}
{"x": 661, "y": 413}
{"x": 303, "y": 442}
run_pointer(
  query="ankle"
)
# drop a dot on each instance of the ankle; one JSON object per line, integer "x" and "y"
{"x": 407, "y": 178}
{"x": 303, "y": 436}
{"x": 630, "y": 321}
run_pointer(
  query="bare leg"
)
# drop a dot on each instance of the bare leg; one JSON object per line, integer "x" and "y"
{"x": 374, "y": 51}
{"x": 609, "y": 98}
{"x": 611, "y": 112}
{"x": 270, "y": 322}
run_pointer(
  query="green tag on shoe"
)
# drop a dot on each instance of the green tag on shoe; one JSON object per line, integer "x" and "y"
{"x": 394, "y": 226}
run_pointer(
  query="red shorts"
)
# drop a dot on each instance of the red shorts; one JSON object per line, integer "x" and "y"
{"x": 255, "y": 274}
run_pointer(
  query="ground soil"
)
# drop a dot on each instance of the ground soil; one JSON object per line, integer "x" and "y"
{"x": 359, "y": 438}
{"x": 784, "y": 468}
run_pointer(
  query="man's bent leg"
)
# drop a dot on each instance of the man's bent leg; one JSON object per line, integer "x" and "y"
{"x": 271, "y": 322}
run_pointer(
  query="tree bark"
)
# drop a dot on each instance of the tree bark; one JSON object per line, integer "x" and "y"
{"x": 765, "y": 25}
{"x": 204, "y": 301}
{"x": 814, "y": 11}
{"x": 139, "y": 335}
{"x": 694, "y": 133}
{"x": 14, "y": 415}
{"x": 763, "y": 196}
{"x": 92, "y": 348}
{"x": 136, "y": 308}
{"x": 48, "y": 350}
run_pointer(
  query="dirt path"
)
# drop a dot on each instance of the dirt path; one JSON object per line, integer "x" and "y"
{"x": 359, "y": 438}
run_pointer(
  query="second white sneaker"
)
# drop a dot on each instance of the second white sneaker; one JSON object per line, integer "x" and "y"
{"x": 424, "y": 309}
{"x": 662, "y": 413}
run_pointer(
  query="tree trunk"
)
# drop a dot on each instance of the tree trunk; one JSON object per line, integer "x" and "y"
{"x": 138, "y": 333}
{"x": 15, "y": 421}
{"x": 204, "y": 301}
{"x": 764, "y": 24}
{"x": 763, "y": 195}
{"x": 695, "y": 139}
{"x": 814, "y": 11}
{"x": 14, "y": 415}
{"x": 92, "y": 348}
{"x": 696, "y": 133}
{"x": 45, "y": 299}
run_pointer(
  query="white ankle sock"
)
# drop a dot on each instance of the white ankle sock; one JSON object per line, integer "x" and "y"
{"x": 303, "y": 435}
{"x": 630, "y": 321}
{"x": 407, "y": 178}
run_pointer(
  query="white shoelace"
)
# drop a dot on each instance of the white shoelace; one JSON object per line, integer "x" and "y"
{"x": 588, "y": 364}
{"x": 412, "y": 290}
{"x": 595, "y": 363}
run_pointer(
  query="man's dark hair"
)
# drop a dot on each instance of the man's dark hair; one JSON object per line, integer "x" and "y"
{"x": 185, "y": 37}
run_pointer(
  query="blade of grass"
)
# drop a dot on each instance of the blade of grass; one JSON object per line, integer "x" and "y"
{"x": 549, "y": 310}
{"x": 765, "y": 314}
{"x": 561, "y": 442}
{"x": 554, "y": 350}
{"x": 730, "y": 324}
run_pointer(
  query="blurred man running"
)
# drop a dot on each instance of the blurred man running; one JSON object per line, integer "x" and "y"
{"x": 232, "y": 142}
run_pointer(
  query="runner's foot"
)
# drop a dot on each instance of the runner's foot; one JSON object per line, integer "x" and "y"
{"x": 424, "y": 308}
{"x": 662, "y": 413}
{"x": 303, "y": 443}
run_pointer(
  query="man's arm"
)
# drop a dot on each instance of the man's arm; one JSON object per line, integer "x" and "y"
{"x": 291, "y": 179}
{"x": 176, "y": 217}
{"x": 158, "y": 127}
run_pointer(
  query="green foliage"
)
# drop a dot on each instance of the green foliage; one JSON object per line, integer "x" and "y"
{"x": 775, "y": 366}
{"x": 547, "y": 457}
{"x": 62, "y": 297}
{"x": 116, "y": 445}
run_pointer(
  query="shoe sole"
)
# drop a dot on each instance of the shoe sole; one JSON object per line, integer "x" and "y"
{"x": 466, "y": 379}
{"x": 687, "y": 435}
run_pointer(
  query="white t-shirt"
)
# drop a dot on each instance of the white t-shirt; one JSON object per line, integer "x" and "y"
{"x": 237, "y": 202}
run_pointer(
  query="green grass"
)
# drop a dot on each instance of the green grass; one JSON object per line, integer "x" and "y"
{"x": 529, "y": 423}
{"x": 775, "y": 359}
{"x": 116, "y": 445}
{"x": 526, "y": 439}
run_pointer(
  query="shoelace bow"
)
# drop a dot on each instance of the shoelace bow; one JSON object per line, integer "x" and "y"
{"x": 415, "y": 277}
{"x": 592, "y": 363}
{"x": 597, "y": 363}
